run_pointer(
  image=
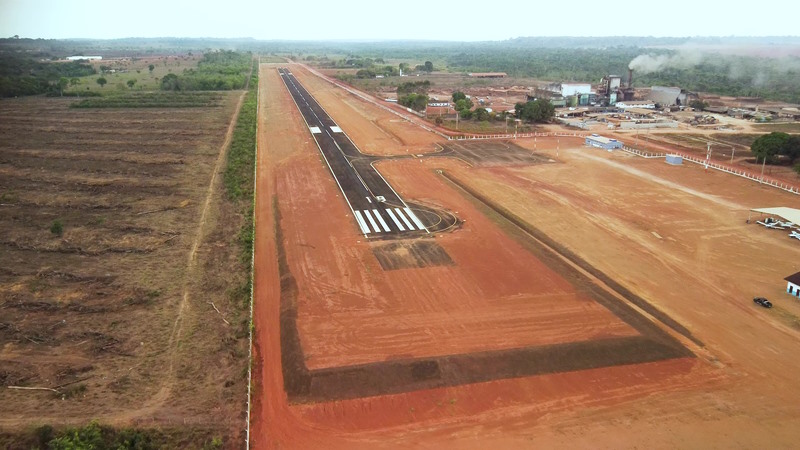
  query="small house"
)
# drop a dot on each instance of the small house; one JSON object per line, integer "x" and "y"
{"x": 793, "y": 285}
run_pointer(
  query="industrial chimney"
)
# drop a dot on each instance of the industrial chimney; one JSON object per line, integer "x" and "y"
{"x": 630, "y": 78}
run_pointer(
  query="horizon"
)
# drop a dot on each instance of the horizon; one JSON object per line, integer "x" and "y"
{"x": 349, "y": 21}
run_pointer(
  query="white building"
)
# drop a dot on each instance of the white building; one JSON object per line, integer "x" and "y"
{"x": 636, "y": 104}
{"x": 568, "y": 89}
{"x": 793, "y": 285}
{"x": 88, "y": 58}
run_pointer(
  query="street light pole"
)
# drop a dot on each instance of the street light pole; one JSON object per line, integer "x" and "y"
{"x": 762, "y": 169}
{"x": 733, "y": 152}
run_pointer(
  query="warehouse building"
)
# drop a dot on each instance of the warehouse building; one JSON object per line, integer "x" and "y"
{"x": 602, "y": 142}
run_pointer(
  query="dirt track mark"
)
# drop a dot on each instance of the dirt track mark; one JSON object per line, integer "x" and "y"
{"x": 168, "y": 383}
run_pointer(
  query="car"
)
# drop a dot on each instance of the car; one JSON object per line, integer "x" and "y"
{"x": 763, "y": 302}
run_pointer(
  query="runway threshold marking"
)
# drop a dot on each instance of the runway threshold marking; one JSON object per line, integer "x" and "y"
{"x": 372, "y": 221}
{"x": 336, "y": 129}
{"x": 315, "y": 130}
{"x": 361, "y": 223}
{"x": 400, "y": 214}
{"x": 380, "y": 219}
{"x": 414, "y": 218}
{"x": 394, "y": 218}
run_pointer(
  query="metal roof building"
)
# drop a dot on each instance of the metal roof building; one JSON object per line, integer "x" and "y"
{"x": 602, "y": 142}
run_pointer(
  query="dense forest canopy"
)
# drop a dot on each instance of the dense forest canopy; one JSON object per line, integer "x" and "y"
{"x": 721, "y": 65}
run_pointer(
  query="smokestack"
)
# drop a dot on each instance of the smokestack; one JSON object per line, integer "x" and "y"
{"x": 630, "y": 78}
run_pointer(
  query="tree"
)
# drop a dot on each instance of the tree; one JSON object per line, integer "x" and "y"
{"x": 770, "y": 146}
{"x": 415, "y": 101}
{"x": 428, "y": 66}
{"x": 102, "y": 81}
{"x": 131, "y": 83}
{"x": 464, "y": 104}
{"x": 404, "y": 67}
{"x": 151, "y": 67}
{"x": 539, "y": 110}
{"x": 458, "y": 95}
{"x": 170, "y": 82}
{"x": 62, "y": 83}
{"x": 481, "y": 114}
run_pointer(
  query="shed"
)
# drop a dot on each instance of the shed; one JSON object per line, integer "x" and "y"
{"x": 603, "y": 142}
{"x": 793, "y": 285}
{"x": 675, "y": 160}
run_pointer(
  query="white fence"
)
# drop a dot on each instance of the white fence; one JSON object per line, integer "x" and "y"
{"x": 721, "y": 167}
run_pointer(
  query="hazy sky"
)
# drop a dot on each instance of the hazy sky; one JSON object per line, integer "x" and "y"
{"x": 409, "y": 19}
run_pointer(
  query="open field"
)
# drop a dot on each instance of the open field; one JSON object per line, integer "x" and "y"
{"x": 116, "y": 241}
{"x": 589, "y": 230}
{"x": 793, "y": 127}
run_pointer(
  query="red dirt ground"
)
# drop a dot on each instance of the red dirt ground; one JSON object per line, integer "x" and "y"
{"x": 675, "y": 236}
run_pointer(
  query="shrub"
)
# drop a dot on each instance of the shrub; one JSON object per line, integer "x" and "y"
{"x": 57, "y": 227}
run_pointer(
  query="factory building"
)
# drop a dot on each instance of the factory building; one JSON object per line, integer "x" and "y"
{"x": 667, "y": 96}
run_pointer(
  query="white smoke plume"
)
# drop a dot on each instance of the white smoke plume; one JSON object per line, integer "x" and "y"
{"x": 653, "y": 63}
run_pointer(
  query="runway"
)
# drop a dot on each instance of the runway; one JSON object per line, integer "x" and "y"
{"x": 377, "y": 209}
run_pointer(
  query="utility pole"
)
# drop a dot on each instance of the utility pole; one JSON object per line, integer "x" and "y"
{"x": 708, "y": 155}
{"x": 762, "y": 169}
{"x": 733, "y": 152}
{"x": 456, "y": 120}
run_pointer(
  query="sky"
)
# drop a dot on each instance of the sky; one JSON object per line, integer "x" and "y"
{"x": 463, "y": 20}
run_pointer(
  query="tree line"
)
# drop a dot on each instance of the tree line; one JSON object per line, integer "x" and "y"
{"x": 216, "y": 71}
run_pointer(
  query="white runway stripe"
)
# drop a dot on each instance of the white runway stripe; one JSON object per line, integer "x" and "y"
{"x": 361, "y": 223}
{"x": 414, "y": 218}
{"x": 380, "y": 219}
{"x": 394, "y": 218}
{"x": 372, "y": 221}
{"x": 400, "y": 213}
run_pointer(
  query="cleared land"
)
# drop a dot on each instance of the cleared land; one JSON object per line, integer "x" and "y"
{"x": 114, "y": 311}
{"x": 674, "y": 240}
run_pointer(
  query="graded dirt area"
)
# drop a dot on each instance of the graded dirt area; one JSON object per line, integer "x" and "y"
{"x": 673, "y": 240}
{"x": 374, "y": 130}
{"x": 112, "y": 311}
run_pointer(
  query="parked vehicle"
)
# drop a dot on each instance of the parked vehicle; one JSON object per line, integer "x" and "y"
{"x": 763, "y": 302}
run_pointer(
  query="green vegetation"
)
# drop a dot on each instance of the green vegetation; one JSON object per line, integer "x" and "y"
{"x": 217, "y": 71}
{"x": 95, "y": 436}
{"x": 417, "y": 102}
{"x": 153, "y": 100}
{"x": 540, "y": 110}
{"x": 57, "y": 227}
{"x": 240, "y": 183}
{"x": 25, "y": 75}
{"x": 698, "y": 105}
{"x": 776, "y": 147}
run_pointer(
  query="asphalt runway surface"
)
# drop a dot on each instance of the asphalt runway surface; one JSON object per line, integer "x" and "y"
{"x": 377, "y": 209}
